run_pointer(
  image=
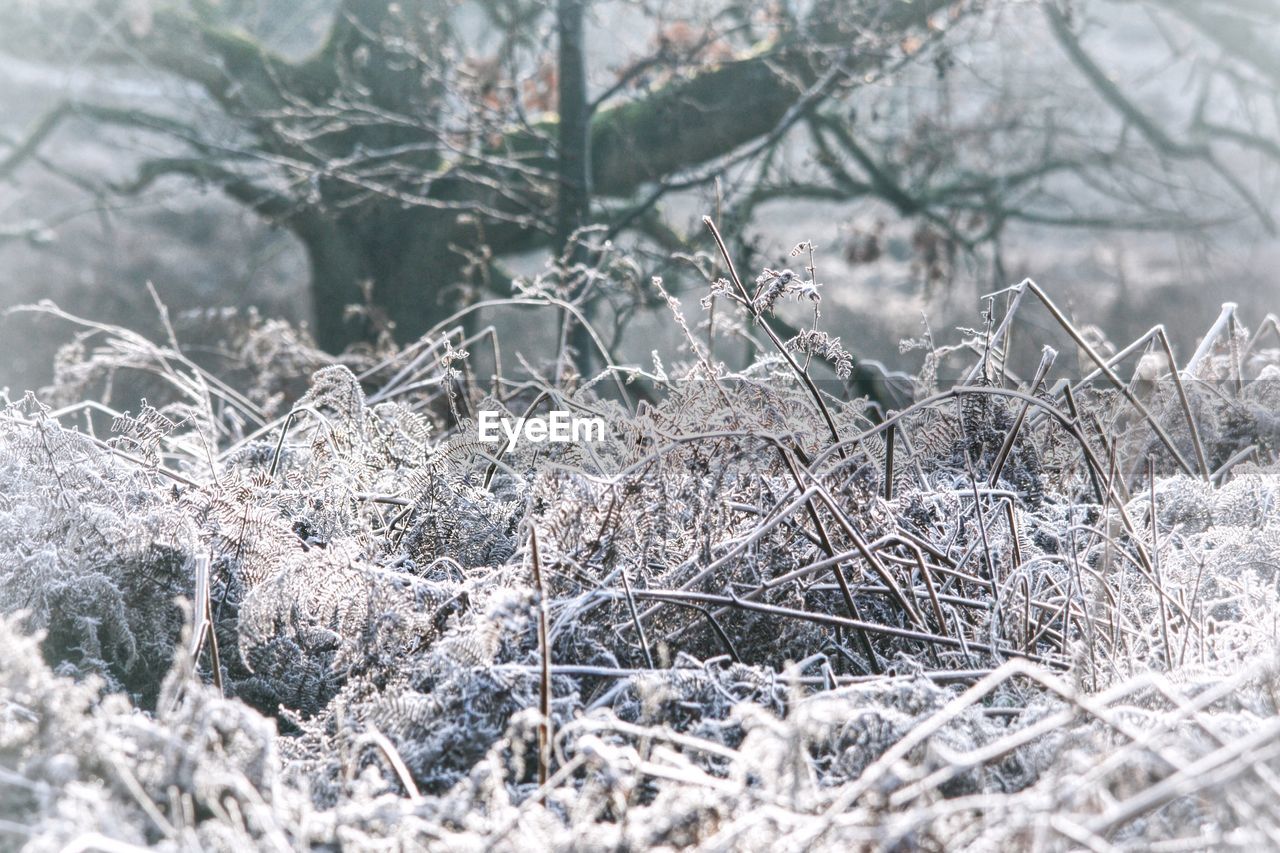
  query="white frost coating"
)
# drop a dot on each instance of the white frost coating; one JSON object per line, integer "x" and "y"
{"x": 373, "y": 592}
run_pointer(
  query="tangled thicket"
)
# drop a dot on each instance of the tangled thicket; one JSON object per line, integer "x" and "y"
{"x": 1015, "y": 614}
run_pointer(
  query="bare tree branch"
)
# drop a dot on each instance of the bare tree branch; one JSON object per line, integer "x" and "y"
{"x": 1163, "y": 142}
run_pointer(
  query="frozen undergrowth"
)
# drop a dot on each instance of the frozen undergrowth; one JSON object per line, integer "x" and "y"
{"x": 231, "y": 626}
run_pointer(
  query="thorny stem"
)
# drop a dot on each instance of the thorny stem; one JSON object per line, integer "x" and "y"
{"x": 850, "y": 605}
{"x": 745, "y": 299}
{"x": 888, "y": 463}
{"x": 679, "y": 596}
{"x": 1123, "y": 387}
{"x": 996, "y": 467}
{"x": 544, "y": 654}
{"x": 1155, "y": 558}
{"x": 635, "y": 617}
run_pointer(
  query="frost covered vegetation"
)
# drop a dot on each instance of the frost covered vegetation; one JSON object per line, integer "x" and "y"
{"x": 291, "y": 602}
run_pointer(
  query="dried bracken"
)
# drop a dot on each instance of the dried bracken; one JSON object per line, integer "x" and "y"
{"x": 1022, "y": 612}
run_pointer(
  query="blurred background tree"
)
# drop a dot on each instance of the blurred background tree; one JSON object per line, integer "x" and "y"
{"x": 421, "y": 152}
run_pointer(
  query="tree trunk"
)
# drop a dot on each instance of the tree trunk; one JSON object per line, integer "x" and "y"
{"x": 573, "y": 206}
{"x": 405, "y": 255}
{"x": 575, "y": 153}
